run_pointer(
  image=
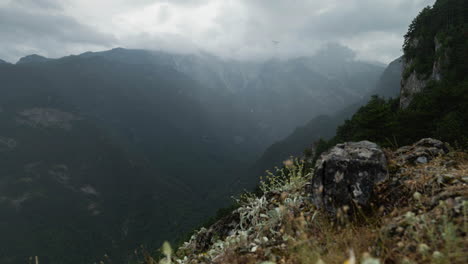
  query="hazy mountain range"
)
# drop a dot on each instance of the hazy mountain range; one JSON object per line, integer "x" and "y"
{"x": 124, "y": 147}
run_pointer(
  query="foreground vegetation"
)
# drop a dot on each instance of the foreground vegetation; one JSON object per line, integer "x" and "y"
{"x": 420, "y": 216}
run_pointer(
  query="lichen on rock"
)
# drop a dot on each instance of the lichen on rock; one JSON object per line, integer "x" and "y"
{"x": 421, "y": 152}
{"x": 346, "y": 175}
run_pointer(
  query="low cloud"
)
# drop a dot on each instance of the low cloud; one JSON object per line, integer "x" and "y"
{"x": 28, "y": 26}
{"x": 242, "y": 29}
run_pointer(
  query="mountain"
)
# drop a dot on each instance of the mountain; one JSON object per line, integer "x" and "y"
{"x": 97, "y": 154}
{"x": 3, "y": 62}
{"x": 30, "y": 59}
{"x": 257, "y": 103}
{"x": 390, "y": 81}
{"x": 103, "y": 152}
{"x": 304, "y": 138}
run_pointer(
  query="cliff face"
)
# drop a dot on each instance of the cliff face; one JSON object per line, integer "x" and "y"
{"x": 435, "y": 48}
{"x": 413, "y": 82}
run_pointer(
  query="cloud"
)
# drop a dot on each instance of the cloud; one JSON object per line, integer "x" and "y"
{"x": 41, "y": 4}
{"x": 28, "y": 26}
{"x": 244, "y": 29}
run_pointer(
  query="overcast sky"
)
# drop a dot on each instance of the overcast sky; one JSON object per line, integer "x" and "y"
{"x": 242, "y": 29}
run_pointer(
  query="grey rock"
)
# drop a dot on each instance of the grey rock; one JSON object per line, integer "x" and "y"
{"x": 410, "y": 87}
{"x": 415, "y": 83}
{"x": 421, "y": 160}
{"x": 422, "y": 152}
{"x": 346, "y": 175}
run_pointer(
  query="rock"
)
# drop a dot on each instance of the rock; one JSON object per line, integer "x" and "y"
{"x": 410, "y": 86}
{"x": 206, "y": 237}
{"x": 422, "y": 152}
{"x": 415, "y": 83}
{"x": 421, "y": 160}
{"x": 345, "y": 176}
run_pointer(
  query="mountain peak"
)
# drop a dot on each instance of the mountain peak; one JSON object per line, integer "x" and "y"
{"x": 34, "y": 58}
{"x": 3, "y": 62}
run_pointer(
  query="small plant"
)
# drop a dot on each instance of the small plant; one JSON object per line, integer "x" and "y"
{"x": 167, "y": 252}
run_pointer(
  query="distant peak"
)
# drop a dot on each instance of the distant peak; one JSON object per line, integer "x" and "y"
{"x": 34, "y": 58}
{"x": 3, "y": 62}
{"x": 118, "y": 49}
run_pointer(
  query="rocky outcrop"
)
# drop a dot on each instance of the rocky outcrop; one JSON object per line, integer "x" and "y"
{"x": 415, "y": 83}
{"x": 421, "y": 152}
{"x": 436, "y": 68}
{"x": 410, "y": 86}
{"x": 345, "y": 176}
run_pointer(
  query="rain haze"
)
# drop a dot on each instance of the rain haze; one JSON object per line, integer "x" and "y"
{"x": 240, "y": 29}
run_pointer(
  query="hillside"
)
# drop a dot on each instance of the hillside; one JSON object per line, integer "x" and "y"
{"x": 69, "y": 170}
{"x": 416, "y": 214}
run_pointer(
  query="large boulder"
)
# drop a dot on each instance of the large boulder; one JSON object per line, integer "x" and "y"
{"x": 344, "y": 177}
